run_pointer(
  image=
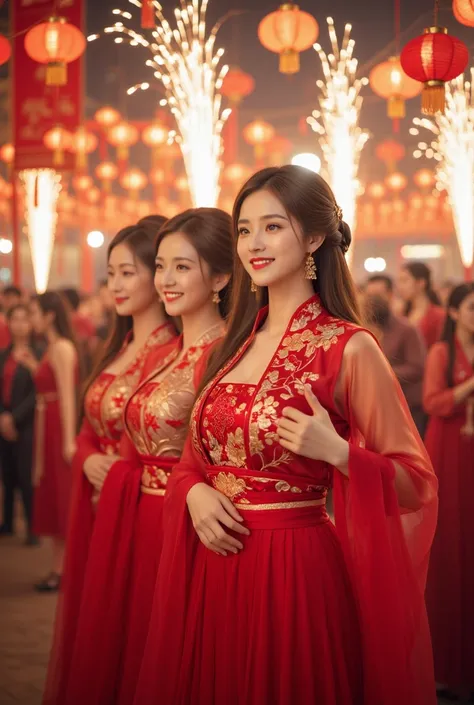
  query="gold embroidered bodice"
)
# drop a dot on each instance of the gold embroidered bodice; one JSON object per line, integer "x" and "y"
{"x": 106, "y": 397}
{"x": 157, "y": 413}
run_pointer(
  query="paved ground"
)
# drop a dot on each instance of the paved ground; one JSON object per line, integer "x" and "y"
{"x": 25, "y": 622}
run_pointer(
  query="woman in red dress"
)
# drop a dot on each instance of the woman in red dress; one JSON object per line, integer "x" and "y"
{"x": 193, "y": 266}
{"x": 449, "y": 399}
{"x": 421, "y": 301}
{"x": 140, "y": 327}
{"x": 56, "y": 379}
{"x": 260, "y": 598}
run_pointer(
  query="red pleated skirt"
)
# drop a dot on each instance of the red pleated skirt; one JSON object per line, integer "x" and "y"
{"x": 147, "y": 544}
{"x": 54, "y": 476}
{"x": 276, "y": 623}
{"x": 450, "y": 587}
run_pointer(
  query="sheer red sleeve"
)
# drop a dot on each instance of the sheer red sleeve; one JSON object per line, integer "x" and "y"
{"x": 438, "y": 398}
{"x": 386, "y": 516}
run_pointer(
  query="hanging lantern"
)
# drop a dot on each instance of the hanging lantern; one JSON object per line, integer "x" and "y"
{"x": 107, "y": 117}
{"x": 58, "y": 140}
{"x": 415, "y": 201}
{"x": 5, "y": 50}
{"x": 157, "y": 176}
{"x": 106, "y": 172}
{"x": 388, "y": 80}
{"x": 396, "y": 181}
{"x": 237, "y": 173}
{"x": 148, "y": 15}
{"x": 287, "y": 32}
{"x": 55, "y": 43}
{"x": 376, "y": 190}
{"x": 155, "y": 136}
{"x": 464, "y": 12}
{"x": 258, "y": 133}
{"x": 424, "y": 178}
{"x": 134, "y": 180}
{"x": 93, "y": 195}
{"x": 433, "y": 59}
{"x": 7, "y": 153}
{"x": 123, "y": 136}
{"x": 390, "y": 152}
{"x": 82, "y": 182}
{"x": 83, "y": 143}
{"x": 237, "y": 85}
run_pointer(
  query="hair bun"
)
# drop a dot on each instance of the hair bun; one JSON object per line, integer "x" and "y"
{"x": 346, "y": 236}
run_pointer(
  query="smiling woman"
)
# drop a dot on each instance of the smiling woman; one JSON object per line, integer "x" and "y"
{"x": 193, "y": 256}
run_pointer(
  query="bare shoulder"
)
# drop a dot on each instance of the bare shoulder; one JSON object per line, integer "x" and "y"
{"x": 361, "y": 343}
{"x": 63, "y": 350}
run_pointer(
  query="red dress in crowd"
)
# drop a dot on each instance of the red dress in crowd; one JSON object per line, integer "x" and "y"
{"x": 52, "y": 475}
{"x": 450, "y": 589}
{"x": 126, "y": 544}
{"x": 308, "y": 612}
{"x": 101, "y": 432}
{"x": 432, "y": 324}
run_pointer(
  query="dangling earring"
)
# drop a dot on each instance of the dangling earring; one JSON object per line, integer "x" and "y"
{"x": 253, "y": 287}
{"x": 310, "y": 271}
{"x": 216, "y": 299}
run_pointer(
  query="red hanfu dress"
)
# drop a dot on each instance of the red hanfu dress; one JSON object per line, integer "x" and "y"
{"x": 101, "y": 432}
{"x": 307, "y": 612}
{"x": 52, "y": 475}
{"x": 450, "y": 589}
{"x": 126, "y": 544}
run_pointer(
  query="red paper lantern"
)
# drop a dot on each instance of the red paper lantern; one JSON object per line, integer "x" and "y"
{"x": 396, "y": 181}
{"x": 148, "y": 15}
{"x": 390, "y": 152}
{"x": 123, "y": 136}
{"x": 107, "y": 172}
{"x": 389, "y": 81}
{"x": 134, "y": 180}
{"x": 55, "y": 43}
{"x": 82, "y": 182}
{"x": 464, "y": 12}
{"x": 7, "y": 153}
{"x": 58, "y": 140}
{"x": 424, "y": 178}
{"x": 237, "y": 85}
{"x": 83, "y": 143}
{"x": 287, "y": 32}
{"x": 433, "y": 59}
{"x": 5, "y": 50}
{"x": 107, "y": 117}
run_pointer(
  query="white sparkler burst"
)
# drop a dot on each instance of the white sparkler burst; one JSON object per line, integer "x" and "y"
{"x": 337, "y": 120}
{"x": 453, "y": 149}
{"x": 42, "y": 188}
{"x": 188, "y": 65}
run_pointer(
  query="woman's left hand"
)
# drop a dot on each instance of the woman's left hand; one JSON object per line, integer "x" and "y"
{"x": 312, "y": 436}
{"x": 69, "y": 451}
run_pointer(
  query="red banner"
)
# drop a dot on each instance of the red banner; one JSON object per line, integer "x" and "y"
{"x": 37, "y": 107}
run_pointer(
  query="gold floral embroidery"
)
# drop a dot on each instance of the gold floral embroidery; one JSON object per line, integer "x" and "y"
{"x": 229, "y": 484}
{"x": 312, "y": 311}
{"x": 286, "y": 487}
{"x": 235, "y": 448}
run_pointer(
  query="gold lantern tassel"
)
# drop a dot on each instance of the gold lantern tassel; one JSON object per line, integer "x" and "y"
{"x": 396, "y": 107}
{"x": 56, "y": 74}
{"x": 58, "y": 157}
{"x": 433, "y": 98}
{"x": 289, "y": 61}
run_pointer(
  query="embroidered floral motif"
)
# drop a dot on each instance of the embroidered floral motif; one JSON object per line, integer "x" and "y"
{"x": 229, "y": 484}
{"x": 235, "y": 448}
{"x": 312, "y": 311}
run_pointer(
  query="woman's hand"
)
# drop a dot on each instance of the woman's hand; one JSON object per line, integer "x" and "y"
{"x": 7, "y": 427}
{"x": 210, "y": 510}
{"x": 69, "y": 451}
{"x": 312, "y": 436}
{"x": 96, "y": 468}
{"x": 26, "y": 358}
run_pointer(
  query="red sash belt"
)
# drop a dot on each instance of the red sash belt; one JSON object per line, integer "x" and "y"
{"x": 279, "y": 500}
{"x": 155, "y": 474}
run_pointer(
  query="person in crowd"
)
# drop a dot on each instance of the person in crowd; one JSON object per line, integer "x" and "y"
{"x": 260, "y": 598}
{"x": 140, "y": 327}
{"x": 444, "y": 291}
{"x": 12, "y": 296}
{"x": 193, "y": 268}
{"x": 83, "y": 328}
{"x": 56, "y": 378}
{"x": 4, "y": 332}
{"x": 400, "y": 341}
{"x": 449, "y": 400}
{"x": 17, "y": 412}
{"x": 421, "y": 303}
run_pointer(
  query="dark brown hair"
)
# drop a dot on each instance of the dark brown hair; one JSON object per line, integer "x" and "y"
{"x": 308, "y": 201}
{"x": 421, "y": 272}
{"x": 209, "y": 230}
{"x": 457, "y": 296}
{"x": 140, "y": 239}
{"x": 53, "y": 302}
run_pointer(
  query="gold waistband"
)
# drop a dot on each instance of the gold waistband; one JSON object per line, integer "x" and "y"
{"x": 281, "y": 505}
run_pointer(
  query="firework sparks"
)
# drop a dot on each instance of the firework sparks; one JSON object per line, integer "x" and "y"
{"x": 453, "y": 149}
{"x": 337, "y": 120}
{"x": 185, "y": 60}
